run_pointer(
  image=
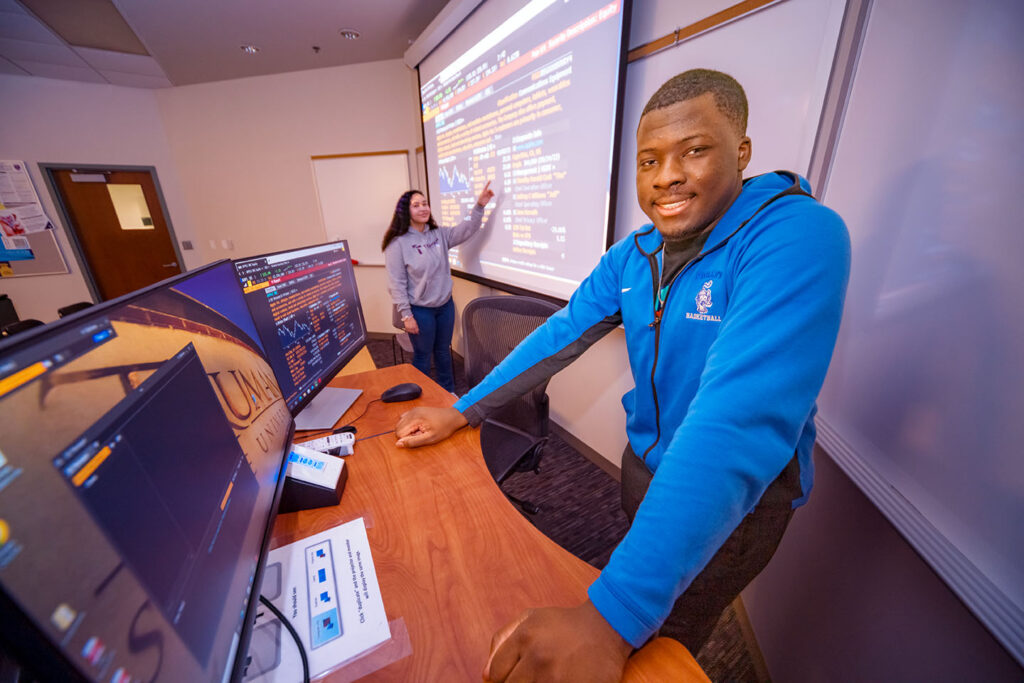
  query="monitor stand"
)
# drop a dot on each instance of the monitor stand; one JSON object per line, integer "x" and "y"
{"x": 326, "y": 408}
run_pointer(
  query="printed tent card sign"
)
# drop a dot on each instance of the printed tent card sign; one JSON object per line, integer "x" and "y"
{"x": 327, "y": 588}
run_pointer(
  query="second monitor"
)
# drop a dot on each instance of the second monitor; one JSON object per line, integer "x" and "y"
{"x": 307, "y": 312}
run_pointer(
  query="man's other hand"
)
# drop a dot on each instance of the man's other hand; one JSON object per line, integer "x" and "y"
{"x": 558, "y": 644}
{"x": 424, "y": 426}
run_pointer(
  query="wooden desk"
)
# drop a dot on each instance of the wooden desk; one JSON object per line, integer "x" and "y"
{"x": 455, "y": 560}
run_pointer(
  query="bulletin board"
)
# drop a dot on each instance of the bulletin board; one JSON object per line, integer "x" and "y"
{"x": 357, "y": 195}
{"x": 29, "y": 240}
{"x": 47, "y": 257}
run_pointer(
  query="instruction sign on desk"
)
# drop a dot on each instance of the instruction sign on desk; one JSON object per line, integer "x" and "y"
{"x": 327, "y": 588}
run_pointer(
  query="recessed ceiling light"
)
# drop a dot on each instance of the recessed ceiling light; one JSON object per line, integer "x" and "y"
{"x": 349, "y": 33}
{"x": 250, "y": 49}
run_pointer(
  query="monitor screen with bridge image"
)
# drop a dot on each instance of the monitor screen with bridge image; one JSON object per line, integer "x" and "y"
{"x": 142, "y": 446}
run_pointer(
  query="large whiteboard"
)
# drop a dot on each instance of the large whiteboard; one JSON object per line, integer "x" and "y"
{"x": 923, "y": 402}
{"x": 357, "y": 194}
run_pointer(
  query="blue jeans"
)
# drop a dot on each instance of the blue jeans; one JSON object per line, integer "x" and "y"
{"x": 435, "y": 337}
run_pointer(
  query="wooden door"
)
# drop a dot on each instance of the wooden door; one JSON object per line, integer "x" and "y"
{"x": 122, "y": 254}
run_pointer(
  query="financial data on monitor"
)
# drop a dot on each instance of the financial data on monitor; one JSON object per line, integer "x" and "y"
{"x": 306, "y": 309}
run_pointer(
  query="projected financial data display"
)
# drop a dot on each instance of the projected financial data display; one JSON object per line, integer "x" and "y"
{"x": 525, "y": 95}
{"x": 306, "y": 308}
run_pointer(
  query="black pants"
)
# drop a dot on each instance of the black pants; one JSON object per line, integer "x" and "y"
{"x": 742, "y": 557}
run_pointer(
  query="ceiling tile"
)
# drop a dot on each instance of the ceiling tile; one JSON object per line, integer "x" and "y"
{"x": 12, "y": 7}
{"x": 9, "y": 67}
{"x": 197, "y": 41}
{"x": 25, "y": 27}
{"x": 119, "y": 61}
{"x": 136, "y": 80}
{"x": 87, "y": 23}
{"x": 61, "y": 71}
{"x": 23, "y": 50}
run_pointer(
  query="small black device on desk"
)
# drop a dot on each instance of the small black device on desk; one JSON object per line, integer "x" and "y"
{"x": 406, "y": 391}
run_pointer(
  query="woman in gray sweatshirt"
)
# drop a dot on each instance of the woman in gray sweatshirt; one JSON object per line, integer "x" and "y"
{"x": 420, "y": 278}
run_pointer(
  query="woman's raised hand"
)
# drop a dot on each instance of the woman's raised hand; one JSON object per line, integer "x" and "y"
{"x": 485, "y": 195}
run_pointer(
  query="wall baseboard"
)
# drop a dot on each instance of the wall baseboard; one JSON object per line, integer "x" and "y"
{"x": 587, "y": 452}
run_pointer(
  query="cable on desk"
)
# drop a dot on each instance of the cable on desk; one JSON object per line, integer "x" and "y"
{"x": 291, "y": 629}
{"x": 374, "y": 436}
{"x": 345, "y": 428}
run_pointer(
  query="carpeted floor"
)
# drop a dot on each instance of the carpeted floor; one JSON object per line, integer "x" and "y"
{"x": 579, "y": 510}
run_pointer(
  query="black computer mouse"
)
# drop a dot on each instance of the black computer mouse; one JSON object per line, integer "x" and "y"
{"x": 401, "y": 392}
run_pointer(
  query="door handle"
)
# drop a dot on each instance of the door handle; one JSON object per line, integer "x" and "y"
{"x": 172, "y": 264}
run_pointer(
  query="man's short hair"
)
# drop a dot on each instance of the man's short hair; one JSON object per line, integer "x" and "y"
{"x": 728, "y": 93}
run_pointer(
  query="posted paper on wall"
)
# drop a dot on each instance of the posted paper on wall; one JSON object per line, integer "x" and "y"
{"x": 15, "y": 184}
{"x": 327, "y": 588}
{"x": 15, "y": 249}
{"x": 23, "y": 220}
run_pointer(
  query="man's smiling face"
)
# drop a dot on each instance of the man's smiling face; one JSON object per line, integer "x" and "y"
{"x": 689, "y": 164}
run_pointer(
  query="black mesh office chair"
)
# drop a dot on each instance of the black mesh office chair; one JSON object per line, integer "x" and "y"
{"x": 513, "y": 438}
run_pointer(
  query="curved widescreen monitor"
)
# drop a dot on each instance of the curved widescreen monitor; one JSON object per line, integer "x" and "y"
{"x": 142, "y": 444}
{"x": 527, "y": 94}
{"x": 306, "y": 309}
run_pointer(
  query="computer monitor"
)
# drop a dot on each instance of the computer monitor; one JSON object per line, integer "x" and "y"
{"x": 307, "y": 312}
{"x": 142, "y": 447}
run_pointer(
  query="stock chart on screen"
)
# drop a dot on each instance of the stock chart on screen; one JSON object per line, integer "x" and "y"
{"x": 307, "y": 311}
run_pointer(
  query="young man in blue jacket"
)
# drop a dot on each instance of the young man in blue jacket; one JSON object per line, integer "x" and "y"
{"x": 730, "y": 300}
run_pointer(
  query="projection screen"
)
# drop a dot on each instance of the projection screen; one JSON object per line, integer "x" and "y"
{"x": 527, "y": 95}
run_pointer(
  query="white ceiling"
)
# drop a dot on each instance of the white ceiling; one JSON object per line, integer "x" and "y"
{"x": 198, "y": 41}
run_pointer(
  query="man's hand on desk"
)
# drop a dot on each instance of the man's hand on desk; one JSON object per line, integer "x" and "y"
{"x": 424, "y": 426}
{"x": 558, "y": 644}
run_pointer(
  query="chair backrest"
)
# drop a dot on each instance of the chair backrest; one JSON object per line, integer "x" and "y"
{"x": 7, "y": 313}
{"x": 494, "y": 325}
{"x": 73, "y": 308}
{"x": 14, "y": 328}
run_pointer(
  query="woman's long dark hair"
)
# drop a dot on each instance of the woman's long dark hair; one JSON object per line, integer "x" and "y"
{"x": 400, "y": 221}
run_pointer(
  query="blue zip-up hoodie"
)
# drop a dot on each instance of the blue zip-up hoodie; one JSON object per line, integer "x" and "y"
{"x": 725, "y": 380}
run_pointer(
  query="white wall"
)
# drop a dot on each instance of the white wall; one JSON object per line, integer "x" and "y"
{"x": 52, "y": 121}
{"x": 243, "y": 149}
